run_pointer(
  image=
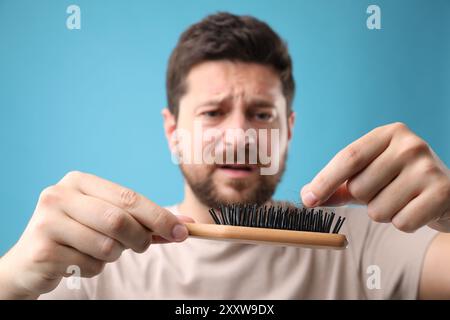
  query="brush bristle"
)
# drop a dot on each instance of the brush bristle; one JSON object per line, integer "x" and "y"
{"x": 277, "y": 217}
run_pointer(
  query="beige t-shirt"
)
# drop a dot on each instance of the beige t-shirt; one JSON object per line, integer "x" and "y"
{"x": 379, "y": 263}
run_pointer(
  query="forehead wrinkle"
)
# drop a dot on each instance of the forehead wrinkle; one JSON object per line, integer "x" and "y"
{"x": 236, "y": 84}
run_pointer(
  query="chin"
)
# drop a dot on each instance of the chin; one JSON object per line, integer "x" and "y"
{"x": 229, "y": 194}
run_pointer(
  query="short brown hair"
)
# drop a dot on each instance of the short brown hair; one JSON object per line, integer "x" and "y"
{"x": 224, "y": 36}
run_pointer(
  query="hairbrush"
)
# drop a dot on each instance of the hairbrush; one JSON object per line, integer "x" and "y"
{"x": 270, "y": 224}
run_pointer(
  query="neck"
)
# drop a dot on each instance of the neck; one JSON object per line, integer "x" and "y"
{"x": 192, "y": 207}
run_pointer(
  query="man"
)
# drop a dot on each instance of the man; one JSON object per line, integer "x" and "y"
{"x": 234, "y": 72}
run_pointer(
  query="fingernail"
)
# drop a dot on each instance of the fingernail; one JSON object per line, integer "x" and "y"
{"x": 179, "y": 232}
{"x": 310, "y": 199}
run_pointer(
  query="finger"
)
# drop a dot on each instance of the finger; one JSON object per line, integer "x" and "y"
{"x": 73, "y": 234}
{"x": 159, "y": 240}
{"x": 420, "y": 211}
{"x": 346, "y": 164}
{"x": 152, "y": 216}
{"x": 341, "y": 197}
{"x": 379, "y": 173}
{"x": 107, "y": 219}
{"x": 394, "y": 197}
{"x": 156, "y": 239}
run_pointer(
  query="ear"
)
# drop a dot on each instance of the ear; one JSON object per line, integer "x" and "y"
{"x": 291, "y": 120}
{"x": 170, "y": 125}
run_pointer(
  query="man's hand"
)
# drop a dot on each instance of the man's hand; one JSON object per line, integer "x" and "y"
{"x": 394, "y": 172}
{"x": 84, "y": 221}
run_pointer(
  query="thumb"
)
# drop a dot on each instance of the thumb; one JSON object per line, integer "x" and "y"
{"x": 339, "y": 198}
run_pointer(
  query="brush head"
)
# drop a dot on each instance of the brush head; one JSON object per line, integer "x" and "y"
{"x": 277, "y": 217}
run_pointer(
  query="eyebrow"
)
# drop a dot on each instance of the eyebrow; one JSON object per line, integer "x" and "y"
{"x": 260, "y": 103}
{"x": 253, "y": 103}
{"x": 212, "y": 102}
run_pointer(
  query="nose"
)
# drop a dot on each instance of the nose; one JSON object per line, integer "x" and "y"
{"x": 237, "y": 120}
{"x": 235, "y": 130}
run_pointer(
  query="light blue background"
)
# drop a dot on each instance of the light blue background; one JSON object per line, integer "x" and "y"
{"x": 90, "y": 99}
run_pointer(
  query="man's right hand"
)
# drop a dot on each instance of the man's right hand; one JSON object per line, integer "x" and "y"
{"x": 84, "y": 221}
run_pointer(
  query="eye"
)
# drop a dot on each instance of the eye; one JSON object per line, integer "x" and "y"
{"x": 263, "y": 116}
{"x": 212, "y": 113}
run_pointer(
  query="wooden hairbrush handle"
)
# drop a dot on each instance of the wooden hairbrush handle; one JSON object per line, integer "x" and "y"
{"x": 267, "y": 236}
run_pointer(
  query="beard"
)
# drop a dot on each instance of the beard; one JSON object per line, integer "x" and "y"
{"x": 212, "y": 192}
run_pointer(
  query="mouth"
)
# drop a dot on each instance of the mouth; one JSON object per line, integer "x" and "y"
{"x": 237, "y": 170}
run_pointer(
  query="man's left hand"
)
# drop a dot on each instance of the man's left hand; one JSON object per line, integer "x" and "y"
{"x": 394, "y": 172}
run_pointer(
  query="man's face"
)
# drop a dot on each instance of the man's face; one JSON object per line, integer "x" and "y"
{"x": 226, "y": 99}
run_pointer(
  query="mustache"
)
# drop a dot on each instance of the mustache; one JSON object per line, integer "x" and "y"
{"x": 247, "y": 155}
